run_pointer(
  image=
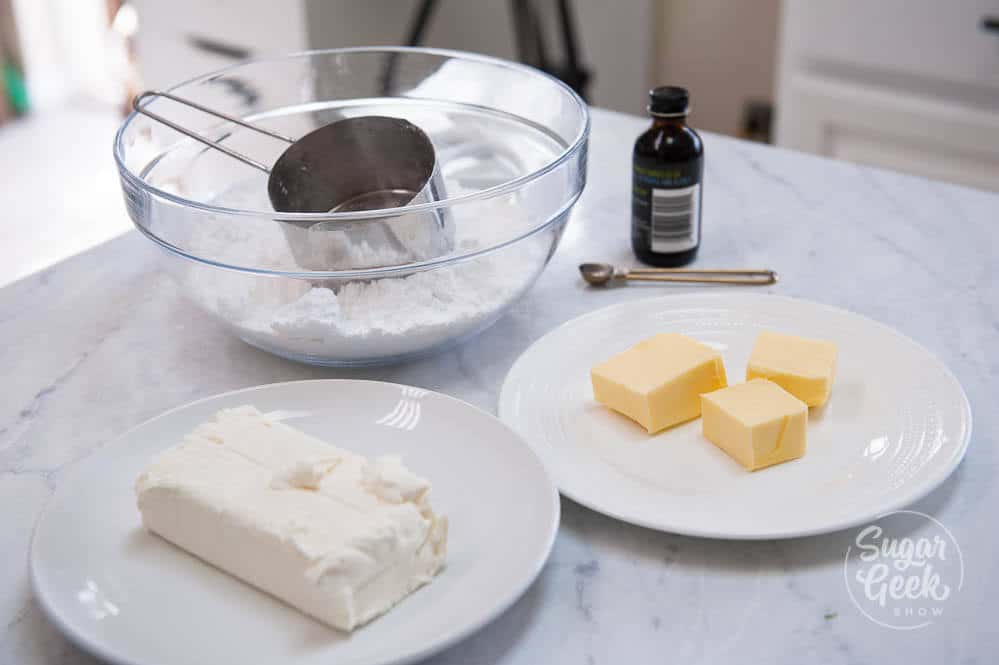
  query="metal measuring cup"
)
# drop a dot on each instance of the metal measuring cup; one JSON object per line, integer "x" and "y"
{"x": 353, "y": 164}
{"x": 379, "y": 163}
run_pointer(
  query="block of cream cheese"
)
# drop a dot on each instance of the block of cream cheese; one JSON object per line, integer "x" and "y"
{"x": 758, "y": 423}
{"x": 804, "y": 367}
{"x": 658, "y": 382}
{"x": 330, "y": 532}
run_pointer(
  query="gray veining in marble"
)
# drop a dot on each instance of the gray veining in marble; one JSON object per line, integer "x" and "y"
{"x": 101, "y": 342}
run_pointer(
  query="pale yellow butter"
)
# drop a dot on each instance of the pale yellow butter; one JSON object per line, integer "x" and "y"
{"x": 757, "y": 423}
{"x": 658, "y": 382}
{"x": 804, "y": 367}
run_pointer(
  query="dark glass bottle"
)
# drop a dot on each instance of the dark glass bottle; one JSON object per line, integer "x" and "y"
{"x": 667, "y": 165}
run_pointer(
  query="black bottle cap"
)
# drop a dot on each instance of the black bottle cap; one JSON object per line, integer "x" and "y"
{"x": 668, "y": 100}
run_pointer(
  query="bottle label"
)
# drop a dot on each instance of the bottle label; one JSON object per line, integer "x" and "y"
{"x": 675, "y": 215}
{"x": 666, "y": 208}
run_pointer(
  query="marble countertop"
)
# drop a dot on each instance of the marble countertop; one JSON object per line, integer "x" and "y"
{"x": 101, "y": 342}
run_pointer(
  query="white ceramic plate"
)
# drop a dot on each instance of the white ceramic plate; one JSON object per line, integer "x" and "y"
{"x": 131, "y": 597}
{"x": 896, "y": 425}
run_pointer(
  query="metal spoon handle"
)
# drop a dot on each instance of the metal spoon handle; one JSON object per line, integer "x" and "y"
{"x": 140, "y": 107}
{"x": 700, "y": 271}
{"x": 757, "y": 277}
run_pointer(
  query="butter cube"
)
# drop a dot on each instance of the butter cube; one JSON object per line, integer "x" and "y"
{"x": 804, "y": 367}
{"x": 658, "y": 382}
{"x": 758, "y": 423}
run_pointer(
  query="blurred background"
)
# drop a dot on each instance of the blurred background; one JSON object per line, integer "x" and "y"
{"x": 911, "y": 85}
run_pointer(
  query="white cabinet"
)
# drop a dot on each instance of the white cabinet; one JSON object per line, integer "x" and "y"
{"x": 168, "y": 47}
{"x": 911, "y": 85}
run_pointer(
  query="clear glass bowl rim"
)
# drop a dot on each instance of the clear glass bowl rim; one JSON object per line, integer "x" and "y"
{"x": 574, "y": 147}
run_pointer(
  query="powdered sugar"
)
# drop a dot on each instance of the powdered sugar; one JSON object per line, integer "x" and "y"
{"x": 391, "y": 316}
{"x": 362, "y": 320}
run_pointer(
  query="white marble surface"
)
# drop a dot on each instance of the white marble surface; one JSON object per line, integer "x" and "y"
{"x": 100, "y": 342}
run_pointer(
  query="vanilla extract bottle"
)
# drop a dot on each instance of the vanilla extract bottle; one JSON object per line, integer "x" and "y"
{"x": 667, "y": 166}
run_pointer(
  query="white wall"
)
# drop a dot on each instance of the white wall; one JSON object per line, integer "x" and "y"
{"x": 724, "y": 52}
{"x": 68, "y": 52}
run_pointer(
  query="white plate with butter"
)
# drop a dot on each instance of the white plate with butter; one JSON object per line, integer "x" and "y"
{"x": 131, "y": 597}
{"x": 897, "y": 423}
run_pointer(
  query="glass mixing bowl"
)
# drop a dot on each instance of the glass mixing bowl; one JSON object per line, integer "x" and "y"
{"x": 511, "y": 147}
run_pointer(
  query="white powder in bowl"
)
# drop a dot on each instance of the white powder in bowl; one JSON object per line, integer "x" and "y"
{"x": 367, "y": 319}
